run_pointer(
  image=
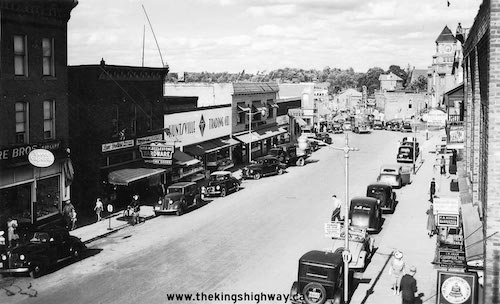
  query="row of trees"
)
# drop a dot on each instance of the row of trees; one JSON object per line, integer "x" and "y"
{"x": 339, "y": 79}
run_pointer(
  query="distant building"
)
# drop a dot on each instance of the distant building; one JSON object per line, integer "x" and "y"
{"x": 349, "y": 99}
{"x": 390, "y": 82}
{"x": 415, "y": 74}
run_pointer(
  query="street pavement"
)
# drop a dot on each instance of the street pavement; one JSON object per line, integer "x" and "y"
{"x": 249, "y": 241}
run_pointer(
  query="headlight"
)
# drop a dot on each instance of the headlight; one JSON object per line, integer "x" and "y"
{"x": 22, "y": 257}
{"x": 4, "y": 257}
{"x": 159, "y": 202}
{"x": 251, "y": 171}
{"x": 217, "y": 187}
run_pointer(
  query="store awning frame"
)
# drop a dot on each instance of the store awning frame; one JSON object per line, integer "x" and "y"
{"x": 273, "y": 104}
{"x": 124, "y": 177}
{"x": 184, "y": 159}
{"x": 264, "y": 134}
{"x": 257, "y": 105}
{"x": 242, "y": 109}
{"x": 245, "y": 137}
{"x": 210, "y": 146}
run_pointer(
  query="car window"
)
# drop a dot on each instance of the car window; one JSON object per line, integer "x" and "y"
{"x": 316, "y": 271}
{"x": 404, "y": 150}
{"x": 174, "y": 190}
{"x": 40, "y": 237}
{"x": 389, "y": 170}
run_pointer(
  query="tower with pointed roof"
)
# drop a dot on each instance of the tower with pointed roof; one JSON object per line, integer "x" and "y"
{"x": 440, "y": 77}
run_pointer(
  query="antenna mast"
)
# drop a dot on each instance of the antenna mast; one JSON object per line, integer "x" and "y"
{"x": 143, "y": 39}
{"x": 159, "y": 51}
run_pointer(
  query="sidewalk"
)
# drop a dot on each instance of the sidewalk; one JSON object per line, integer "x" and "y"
{"x": 116, "y": 221}
{"x": 408, "y": 233}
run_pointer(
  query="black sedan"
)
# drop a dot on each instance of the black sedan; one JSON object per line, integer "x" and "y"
{"x": 365, "y": 212}
{"x": 384, "y": 193}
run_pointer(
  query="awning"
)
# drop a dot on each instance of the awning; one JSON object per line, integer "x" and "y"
{"x": 300, "y": 121}
{"x": 473, "y": 235}
{"x": 184, "y": 159}
{"x": 210, "y": 146}
{"x": 273, "y": 104}
{"x": 245, "y": 138}
{"x": 242, "y": 109}
{"x": 124, "y": 177}
{"x": 257, "y": 105}
{"x": 270, "y": 132}
{"x": 194, "y": 178}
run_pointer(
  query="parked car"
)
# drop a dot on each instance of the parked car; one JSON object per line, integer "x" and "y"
{"x": 220, "y": 183}
{"x": 179, "y": 198}
{"x": 264, "y": 166}
{"x": 45, "y": 250}
{"x": 406, "y": 126}
{"x": 337, "y": 128}
{"x": 320, "y": 278}
{"x": 313, "y": 144}
{"x": 365, "y": 212}
{"x": 393, "y": 175}
{"x": 384, "y": 193}
{"x": 406, "y": 153}
{"x": 361, "y": 246}
{"x": 347, "y": 126}
{"x": 324, "y": 137}
{"x": 289, "y": 154}
{"x": 378, "y": 124}
{"x": 393, "y": 125}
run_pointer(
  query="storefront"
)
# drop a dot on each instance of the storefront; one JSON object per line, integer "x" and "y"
{"x": 262, "y": 140}
{"x": 33, "y": 195}
{"x": 216, "y": 154}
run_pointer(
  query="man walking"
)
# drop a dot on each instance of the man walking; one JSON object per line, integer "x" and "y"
{"x": 432, "y": 190}
{"x": 443, "y": 165}
{"x": 408, "y": 286}
{"x": 337, "y": 209}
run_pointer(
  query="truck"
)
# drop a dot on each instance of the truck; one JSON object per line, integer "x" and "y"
{"x": 361, "y": 124}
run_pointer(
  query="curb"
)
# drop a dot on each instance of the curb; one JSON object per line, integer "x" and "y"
{"x": 109, "y": 232}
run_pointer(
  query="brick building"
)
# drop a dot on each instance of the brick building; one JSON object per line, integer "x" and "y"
{"x": 482, "y": 125}
{"x": 33, "y": 108}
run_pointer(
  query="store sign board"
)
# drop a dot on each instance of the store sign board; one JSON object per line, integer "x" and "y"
{"x": 157, "y": 153}
{"x": 147, "y": 139}
{"x": 448, "y": 205}
{"x": 452, "y": 257}
{"x": 336, "y": 230}
{"x": 41, "y": 158}
{"x": 117, "y": 145}
{"x": 448, "y": 220}
{"x": 20, "y": 153}
{"x": 457, "y": 287}
{"x": 188, "y": 128}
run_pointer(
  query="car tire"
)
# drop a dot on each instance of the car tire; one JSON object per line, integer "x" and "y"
{"x": 223, "y": 192}
{"x": 76, "y": 253}
{"x": 179, "y": 211}
{"x": 301, "y": 162}
{"x": 195, "y": 202}
{"x": 318, "y": 288}
{"x": 257, "y": 176}
{"x": 280, "y": 171}
{"x": 236, "y": 187}
{"x": 36, "y": 271}
{"x": 156, "y": 213}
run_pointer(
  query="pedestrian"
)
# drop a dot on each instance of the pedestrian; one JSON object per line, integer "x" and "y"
{"x": 432, "y": 190}
{"x": 443, "y": 165}
{"x": 431, "y": 221}
{"x": 337, "y": 209}
{"x": 12, "y": 236}
{"x": 73, "y": 219}
{"x": 98, "y": 208}
{"x": 2, "y": 242}
{"x": 135, "y": 206}
{"x": 454, "y": 157}
{"x": 409, "y": 286}
{"x": 396, "y": 270}
{"x": 67, "y": 209}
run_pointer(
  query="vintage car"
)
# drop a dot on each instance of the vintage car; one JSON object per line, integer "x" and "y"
{"x": 289, "y": 154}
{"x": 406, "y": 126}
{"x": 394, "y": 175}
{"x": 378, "y": 124}
{"x": 393, "y": 125}
{"x": 179, "y": 198}
{"x": 45, "y": 250}
{"x": 324, "y": 137}
{"x": 384, "y": 193}
{"x": 361, "y": 246}
{"x": 406, "y": 153}
{"x": 320, "y": 278}
{"x": 264, "y": 166}
{"x": 220, "y": 183}
{"x": 337, "y": 128}
{"x": 365, "y": 212}
{"x": 347, "y": 126}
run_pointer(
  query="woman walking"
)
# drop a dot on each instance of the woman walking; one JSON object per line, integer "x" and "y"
{"x": 396, "y": 271}
{"x": 431, "y": 221}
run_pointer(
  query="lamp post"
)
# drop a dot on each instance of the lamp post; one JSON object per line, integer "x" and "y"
{"x": 250, "y": 114}
{"x": 346, "y": 255}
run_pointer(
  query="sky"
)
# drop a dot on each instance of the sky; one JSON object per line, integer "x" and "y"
{"x": 263, "y": 35}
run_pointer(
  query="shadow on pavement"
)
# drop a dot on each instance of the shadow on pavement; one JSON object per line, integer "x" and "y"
{"x": 370, "y": 291}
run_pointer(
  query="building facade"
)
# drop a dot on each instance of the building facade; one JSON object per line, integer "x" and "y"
{"x": 33, "y": 111}
{"x": 390, "y": 82}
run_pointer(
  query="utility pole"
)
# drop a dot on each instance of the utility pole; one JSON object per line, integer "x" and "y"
{"x": 346, "y": 255}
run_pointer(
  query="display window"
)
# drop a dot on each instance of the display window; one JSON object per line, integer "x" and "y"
{"x": 15, "y": 202}
{"x": 47, "y": 197}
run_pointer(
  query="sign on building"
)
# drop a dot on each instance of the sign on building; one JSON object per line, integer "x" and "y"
{"x": 448, "y": 220}
{"x": 448, "y": 205}
{"x": 457, "y": 287}
{"x": 451, "y": 257}
{"x": 457, "y": 134}
{"x": 157, "y": 153}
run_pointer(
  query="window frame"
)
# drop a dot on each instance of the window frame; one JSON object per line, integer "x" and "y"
{"x": 51, "y": 58}
{"x": 23, "y": 55}
{"x": 25, "y": 122}
{"x": 51, "y": 119}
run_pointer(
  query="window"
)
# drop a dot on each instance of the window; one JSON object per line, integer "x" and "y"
{"x": 20, "y": 56}
{"x": 48, "y": 56}
{"x": 21, "y": 122}
{"x": 48, "y": 119}
{"x": 241, "y": 112}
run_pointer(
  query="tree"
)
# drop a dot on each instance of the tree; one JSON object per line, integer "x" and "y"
{"x": 396, "y": 69}
{"x": 370, "y": 79}
{"x": 419, "y": 84}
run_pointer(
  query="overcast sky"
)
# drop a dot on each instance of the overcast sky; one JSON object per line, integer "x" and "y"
{"x": 257, "y": 35}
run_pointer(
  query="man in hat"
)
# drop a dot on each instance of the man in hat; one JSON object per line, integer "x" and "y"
{"x": 432, "y": 190}
{"x": 408, "y": 286}
{"x": 68, "y": 209}
{"x": 337, "y": 209}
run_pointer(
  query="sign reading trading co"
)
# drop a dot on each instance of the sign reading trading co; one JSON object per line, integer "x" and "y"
{"x": 157, "y": 153}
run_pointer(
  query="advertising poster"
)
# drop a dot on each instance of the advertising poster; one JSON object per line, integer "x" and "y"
{"x": 456, "y": 287}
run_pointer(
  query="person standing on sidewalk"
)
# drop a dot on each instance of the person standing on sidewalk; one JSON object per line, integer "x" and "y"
{"x": 98, "y": 209}
{"x": 73, "y": 219}
{"x": 443, "y": 165}
{"x": 409, "y": 286}
{"x": 432, "y": 190}
{"x": 67, "y": 209}
{"x": 431, "y": 221}
{"x": 396, "y": 270}
{"x": 337, "y": 209}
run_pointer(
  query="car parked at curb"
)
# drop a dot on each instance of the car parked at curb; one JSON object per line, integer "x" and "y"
{"x": 320, "y": 278}
{"x": 324, "y": 137}
{"x": 337, "y": 128}
{"x": 365, "y": 212}
{"x": 385, "y": 194}
{"x": 179, "y": 198}
{"x": 264, "y": 166}
{"x": 220, "y": 183}
{"x": 406, "y": 126}
{"x": 289, "y": 154}
{"x": 47, "y": 248}
{"x": 361, "y": 246}
{"x": 378, "y": 125}
{"x": 392, "y": 175}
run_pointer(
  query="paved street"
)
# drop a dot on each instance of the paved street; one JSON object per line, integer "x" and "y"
{"x": 249, "y": 241}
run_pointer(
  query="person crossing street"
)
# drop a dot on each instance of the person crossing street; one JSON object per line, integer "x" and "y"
{"x": 337, "y": 214}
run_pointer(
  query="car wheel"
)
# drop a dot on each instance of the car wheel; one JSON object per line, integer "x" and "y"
{"x": 257, "y": 176}
{"x": 195, "y": 202}
{"x": 316, "y": 289}
{"x": 223, "y": 192}
{"x": 76, "y": 254}
{"x": 280, "y": 171}
{"x": 301, "y": 162}
{"x": 203, "y": 196}
{"x": 36, "y": 271}
{"x": 179, "y": 211}
{"x": 236, "y": 187}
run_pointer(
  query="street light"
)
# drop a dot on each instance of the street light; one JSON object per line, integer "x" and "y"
{"x": 346, "y": 254}
{"x": 250, "y": 114}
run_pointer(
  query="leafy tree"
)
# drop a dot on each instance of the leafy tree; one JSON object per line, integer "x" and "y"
{"x": 370, "y": 79}
{"x": 419, "y": 84}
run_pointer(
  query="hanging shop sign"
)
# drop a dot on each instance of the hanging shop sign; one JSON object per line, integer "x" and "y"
{"x": 147, "y": 139}
{"x": 41, "y": 158}
{"x": 448, "y": 220}
{"x": 192, "y": 127}
{"x": 457, "y": 134}
{"x": 451, "y": 257}
{"x": 457, "y": 287}
{"x": 448, "y": 205}
{"x": 117, "y": 145}
{"x": 157, "y": 153}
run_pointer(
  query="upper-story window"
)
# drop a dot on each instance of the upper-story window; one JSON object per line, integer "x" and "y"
{"x": 21, "y": 122}
{"x": 20, "y": 56}
{"x": 242, "y": 112}
{"x": 48, "y": 119}
{"x": 48, "y": 56}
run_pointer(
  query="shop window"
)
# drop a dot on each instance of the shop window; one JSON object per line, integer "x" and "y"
{"x": 48, "y": 57}
{"x": 20, "y": 56}
{"x": 48, "y": 119}
{"x": 47, "y": 197}
{"x": 121, "y": 158}
{"x": 15, "y": 202}
{"x": 241, "y": 114}
{"x": 21, "y": 122}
